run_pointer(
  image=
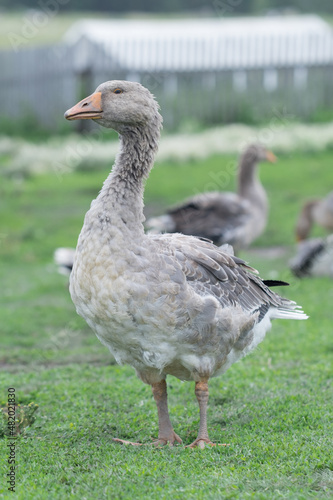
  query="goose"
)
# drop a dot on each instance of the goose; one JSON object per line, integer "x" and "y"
{"x": 64, "y": 257}
{"x": 318, "y": 211}
{"x": 314, "y": 257}
{"x": 166, "y": 304}
{"x": 224, "y": 217}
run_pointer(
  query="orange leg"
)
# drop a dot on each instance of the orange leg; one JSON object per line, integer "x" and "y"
{"x": 201, "y": 392}
{"x": 166, "y": 434}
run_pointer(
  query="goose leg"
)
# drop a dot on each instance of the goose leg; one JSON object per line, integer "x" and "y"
{"x": 166, "y": 434}
{"x": 201, "y": 392}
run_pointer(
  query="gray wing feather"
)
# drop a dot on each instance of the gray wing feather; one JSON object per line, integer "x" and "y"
{"x": 214, "y": 215}
{"x": 211, "y": 271}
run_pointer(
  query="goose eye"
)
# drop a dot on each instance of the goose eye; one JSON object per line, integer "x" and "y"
{"x": 117, "y": 91}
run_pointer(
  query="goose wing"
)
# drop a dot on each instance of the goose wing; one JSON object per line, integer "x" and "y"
{"x": 212, "y": 215}
{"x": 314, "y": 257}
{"x": 211, "y": 271}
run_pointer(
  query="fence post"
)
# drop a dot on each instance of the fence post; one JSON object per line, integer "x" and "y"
{"x": 84, "y": 84}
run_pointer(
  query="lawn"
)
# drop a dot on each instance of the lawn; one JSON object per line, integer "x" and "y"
{"x": 274, "y": 408}
{"x": 30, "y": 27}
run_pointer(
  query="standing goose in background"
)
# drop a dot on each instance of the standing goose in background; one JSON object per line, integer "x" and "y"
{"x": 224, "y": 217}
{"x": 319, "y": 212}
{"x": 165, "y": 304}
{"x": 314, "y": 257}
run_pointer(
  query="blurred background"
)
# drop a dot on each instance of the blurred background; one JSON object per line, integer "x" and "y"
{"x": 208, "y": 63}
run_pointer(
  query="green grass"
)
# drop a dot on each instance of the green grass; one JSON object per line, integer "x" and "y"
{"x": 32, "y": 31}
{"x": 274, "y": 408}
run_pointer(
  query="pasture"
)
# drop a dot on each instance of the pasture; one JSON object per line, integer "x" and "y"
{"x": 30, "y": 27}
{"x": 274, "y": 408}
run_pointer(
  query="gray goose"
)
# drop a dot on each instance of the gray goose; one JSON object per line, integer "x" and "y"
{"x": 314, "y": 257}
{"x": 224, "y": 217}
{"x": 165, "y": 304}
{"x": 64, "y": 257}
{"x": 317, "y": 211}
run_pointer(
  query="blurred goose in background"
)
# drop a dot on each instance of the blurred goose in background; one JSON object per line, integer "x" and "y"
{"x": 165, "y": 304}
{"x": 319, "y": 211}
{"x": 64, "y": 258}
{"x": 314, "y": 257}
{"x": 224, "y": 217}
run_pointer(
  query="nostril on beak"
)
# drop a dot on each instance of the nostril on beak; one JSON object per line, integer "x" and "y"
{"x": 84, "y": 104}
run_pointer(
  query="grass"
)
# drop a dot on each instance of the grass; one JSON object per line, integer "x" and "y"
{"x": 273, "y": 408}
{"x": 26, "y": 28}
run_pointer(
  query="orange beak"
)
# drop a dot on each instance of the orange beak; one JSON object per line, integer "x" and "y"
{"x": 90, "y": 107}
{"x": 271, "y": 157}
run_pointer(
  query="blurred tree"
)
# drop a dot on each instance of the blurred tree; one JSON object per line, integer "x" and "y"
{"x": 300, "y": 5}
{"x": 222, "y": 6}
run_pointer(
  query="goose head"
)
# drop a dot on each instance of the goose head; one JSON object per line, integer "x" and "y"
{"x": 248, "y": 182}
{"x": 256, "y": 153}
{"x": 117, "y": 104}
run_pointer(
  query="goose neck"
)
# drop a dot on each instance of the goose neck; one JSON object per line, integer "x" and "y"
{"x": 122, "y": 192}
{"x": 305, "y": 220}
{"x": 249, "y": 184}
